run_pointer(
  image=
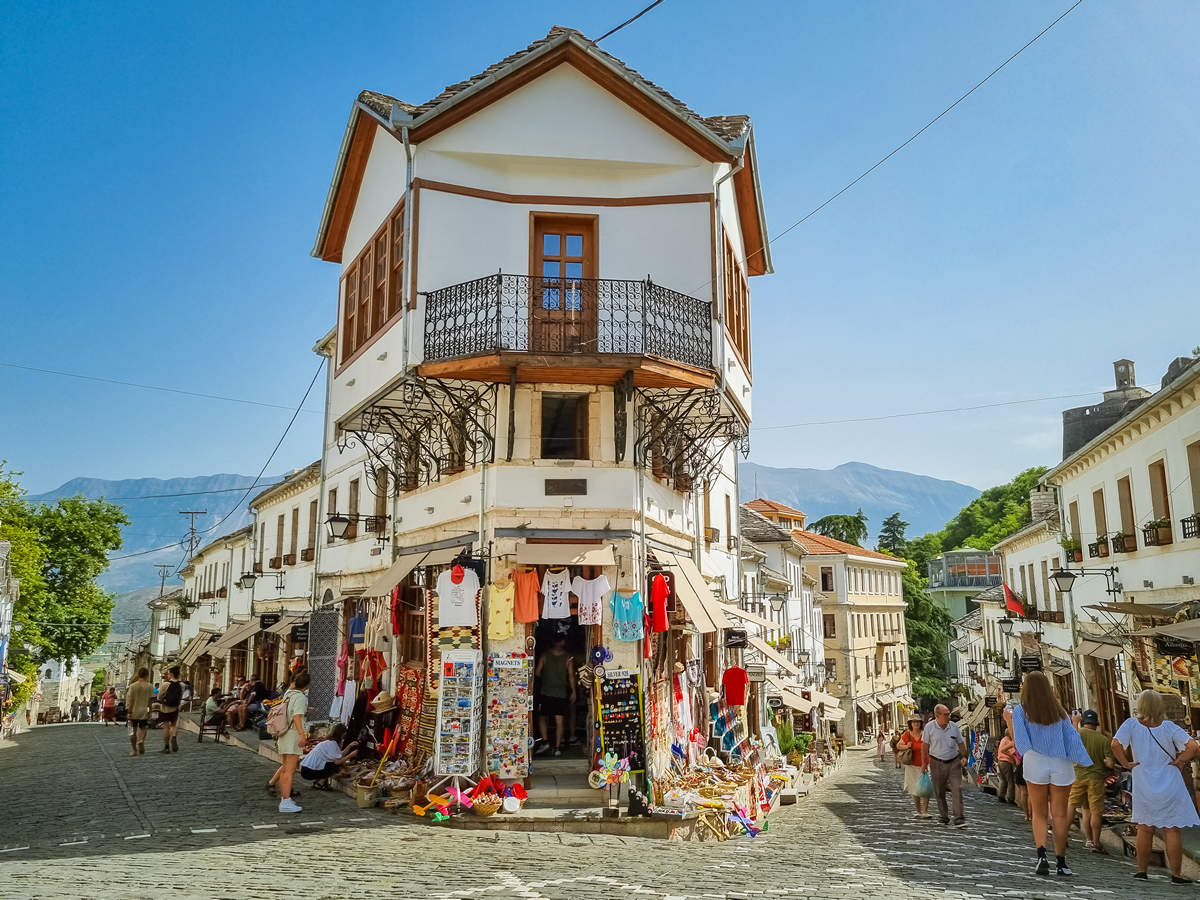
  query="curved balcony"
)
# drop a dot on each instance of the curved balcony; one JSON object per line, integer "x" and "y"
{"x": 591, "y": 329}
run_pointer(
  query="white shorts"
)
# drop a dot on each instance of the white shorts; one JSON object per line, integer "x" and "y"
{"x": 1042, "y": 769}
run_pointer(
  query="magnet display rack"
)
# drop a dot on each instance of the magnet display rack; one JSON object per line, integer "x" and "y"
{"x": 510, "y": 699}
{"x": 619, "y": 708}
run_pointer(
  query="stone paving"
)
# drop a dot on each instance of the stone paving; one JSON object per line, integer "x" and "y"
{"x": 80, "y": 818}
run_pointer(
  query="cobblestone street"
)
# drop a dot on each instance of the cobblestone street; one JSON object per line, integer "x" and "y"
{"x": 83, "y": 819}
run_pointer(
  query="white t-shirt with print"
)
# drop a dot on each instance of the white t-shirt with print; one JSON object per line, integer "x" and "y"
{"x": 591, "y": 596}
{"x": 556, "y": 590}
{"x": 456, "y": 602}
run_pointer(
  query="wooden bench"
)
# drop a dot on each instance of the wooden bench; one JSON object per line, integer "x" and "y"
{"x": 217, "y": 730}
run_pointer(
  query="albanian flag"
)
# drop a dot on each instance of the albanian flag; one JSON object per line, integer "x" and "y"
{"x": 1012, "y": 602}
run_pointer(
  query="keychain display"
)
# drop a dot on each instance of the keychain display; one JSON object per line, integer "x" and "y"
{"x": 460, "y": 713}
{"x": 509, "y": 702}
{"x": 619, "y": 707}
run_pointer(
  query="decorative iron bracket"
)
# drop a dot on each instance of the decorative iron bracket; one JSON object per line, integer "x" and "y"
{"x": 683, "y": 434}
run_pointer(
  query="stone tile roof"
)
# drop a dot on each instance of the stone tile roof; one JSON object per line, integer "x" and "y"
{"x": 726, "y": 128}
{"x": 818, "y": 544}
{"x": 972, "y": 621}
{"x": 758, "y": 529}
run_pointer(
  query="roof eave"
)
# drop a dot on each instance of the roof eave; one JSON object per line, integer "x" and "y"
{"x": 768, "y": 265}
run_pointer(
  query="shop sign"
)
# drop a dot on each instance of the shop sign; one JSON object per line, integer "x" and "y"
{"x": 507, "y": 662}
{"x": 1011, "y": 685}
{"x": 1172, "y": 646}
{"x": 990, "y": 701}
{"x": 774, "y": 702}
{"x": 1031, "y": 662}
{"x": 616, "y": 674}
{"x": 735, "y": 638}
{"x": 300, "y": 633}
{"x": 268, "y": 620}
{"x": 756, "y": 674}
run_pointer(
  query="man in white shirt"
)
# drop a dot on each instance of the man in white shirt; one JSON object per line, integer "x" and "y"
{"x": 945, "y": 760}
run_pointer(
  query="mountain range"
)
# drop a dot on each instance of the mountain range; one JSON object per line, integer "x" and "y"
{"x": 926, "y": 503}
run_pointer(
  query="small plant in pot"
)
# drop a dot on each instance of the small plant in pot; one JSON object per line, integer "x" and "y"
{"x": 1073, "y": 548}
{"x": 1102, "y": 545}
{"x": 1162, "y": 530}
{"x": 1124, "y": 542}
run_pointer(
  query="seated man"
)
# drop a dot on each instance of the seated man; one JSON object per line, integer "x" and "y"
{"x": 214, "y": 710}
{"x": 254, "y": 699}
{"x": 323, "y": 760}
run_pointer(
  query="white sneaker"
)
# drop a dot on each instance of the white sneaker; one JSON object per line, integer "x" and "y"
{"x": 288, "y": 805}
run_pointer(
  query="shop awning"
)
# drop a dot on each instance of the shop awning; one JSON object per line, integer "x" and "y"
{"x": 1140, "y": 610}
{"x": 975, "y": 716}
{"x": 791, "y": 695}
{"x": 1097, "y": 647}
{"x": 774, "y": 655}
{"x": 828, "y": 699}
{"x": 906, "y": 700}
{"x": 866, "y": 704}
{"x": 565, "y": 554}
{"x": 285, "y": 624}
{"x": 886, "y": 699}
{"x": 16, "y": 677}
{"x": 833, "y": 714}
{"x": 1059, "y": 666}
{"x": 750, "y": 617}
{"x": 195, "y": 648}
{"x": 693, "y": 592}
{"x": 382, "y": 584}
{"x": 233, "y": 636}
{"x": 1184, "y": 631}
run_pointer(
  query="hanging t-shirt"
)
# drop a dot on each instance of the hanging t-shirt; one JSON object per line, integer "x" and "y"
{"x": 591, "y": 598}
{"x": 556, "y": 594}
{"x": 659, "y": 592}
{"x": 627, "y": 616}
{"x": 500, "y": 610}
{"x": 525, "y": 605}
{"x": 456, "y": 602}
{"x": 734, "y": 681}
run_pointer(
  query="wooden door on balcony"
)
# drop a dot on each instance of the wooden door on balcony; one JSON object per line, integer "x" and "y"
{"x": 562, "y": 296}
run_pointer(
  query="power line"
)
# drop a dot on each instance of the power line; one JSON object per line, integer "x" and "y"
{"x": 613, "y": 31}
{"x": 924, "y": 412}
{"x": 913, "y": 137}
{"x": 148, "y": 387}
{"x": 183, "y": 493}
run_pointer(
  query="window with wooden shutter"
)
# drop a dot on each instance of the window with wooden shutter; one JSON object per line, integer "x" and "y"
{"x": 737, "y": 304}
{"x": 350, "y": 313}
{"x": 379, "y": 298}
{"x": 352, "y": 528}
{"x": 396, "y": 276}
{"x": 331, "y": 506}
{"x": 381, "y": 497}
{"x": 366, "y": 272}
{"x": 373, "y": 285}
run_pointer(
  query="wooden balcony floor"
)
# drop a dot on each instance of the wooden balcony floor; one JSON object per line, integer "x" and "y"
{"x": 607, "y": 368}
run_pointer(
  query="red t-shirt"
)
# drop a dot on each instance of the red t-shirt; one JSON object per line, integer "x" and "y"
{"x": 918, "y": 748}
{"x": 734, "y": 681}
{"x": 659, "y": 592}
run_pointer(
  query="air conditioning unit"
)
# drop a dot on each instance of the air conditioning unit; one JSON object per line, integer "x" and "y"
{"x": 1188, "y": 579}
{"x": 712, "y": 535}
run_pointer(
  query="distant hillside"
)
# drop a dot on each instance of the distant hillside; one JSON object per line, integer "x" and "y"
{"x": 927, "y": 504}
{"x": 155, "y": 520}
{"x": 130, "y": 615}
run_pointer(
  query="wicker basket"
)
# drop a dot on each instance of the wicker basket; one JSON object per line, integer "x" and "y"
{"x": 486, "y": 807}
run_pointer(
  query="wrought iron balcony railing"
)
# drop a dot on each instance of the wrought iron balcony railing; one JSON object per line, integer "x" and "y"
{"x": 532, "y": 314}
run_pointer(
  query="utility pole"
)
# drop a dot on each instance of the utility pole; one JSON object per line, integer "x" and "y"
{"x": 193, "y": 539}
{"x": 163, "y": 569}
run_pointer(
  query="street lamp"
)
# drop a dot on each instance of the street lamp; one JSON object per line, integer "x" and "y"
{"x": 972, "y": 668}
{"x": 802, "y": 657}
{"x": 1064, "y": 580}
{"x": 246, "y": 582}
{"x": 1006, "y": 626}
{"x": 777, "y": 603}
{"x": 338, "y": 524}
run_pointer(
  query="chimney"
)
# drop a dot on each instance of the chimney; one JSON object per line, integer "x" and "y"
{"x": 1042, "y": 504}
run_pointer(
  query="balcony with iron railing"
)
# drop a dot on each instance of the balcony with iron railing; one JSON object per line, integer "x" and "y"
{"x": 604, "y": 322}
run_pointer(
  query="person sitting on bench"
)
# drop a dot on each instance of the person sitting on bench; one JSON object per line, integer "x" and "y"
{"x": 324, "y": 760}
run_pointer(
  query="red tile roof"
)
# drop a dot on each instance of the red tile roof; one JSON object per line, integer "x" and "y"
{"x": 764, "y": 506}
{"x": 818, "y": 544}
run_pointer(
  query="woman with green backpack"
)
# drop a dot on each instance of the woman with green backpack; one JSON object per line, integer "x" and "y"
{"x": 285, "y": 723}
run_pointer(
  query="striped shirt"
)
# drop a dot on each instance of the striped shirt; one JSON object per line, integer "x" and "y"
{"x": 1060, "y": 740}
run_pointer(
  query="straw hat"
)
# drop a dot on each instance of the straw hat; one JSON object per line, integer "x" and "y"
{"x": 383, "y": 702}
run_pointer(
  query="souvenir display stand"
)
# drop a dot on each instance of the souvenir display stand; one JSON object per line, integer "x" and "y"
{"x": 509, "y": 704}
{"x": 459, "y": 720}
{"x": 619, "y": 701}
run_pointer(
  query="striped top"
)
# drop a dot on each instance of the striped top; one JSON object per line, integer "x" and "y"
{"x": 1060, "y": 739}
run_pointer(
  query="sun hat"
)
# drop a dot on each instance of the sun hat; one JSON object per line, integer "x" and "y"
{"x": 383, "y": 702}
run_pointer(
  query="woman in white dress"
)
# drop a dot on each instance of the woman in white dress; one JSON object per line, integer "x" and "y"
{"x": 1160, "y": 749}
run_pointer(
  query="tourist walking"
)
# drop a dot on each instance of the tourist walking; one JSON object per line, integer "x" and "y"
{"x": 945, "y": 761}
{"x": 137, "y": 710}
{"x": 880, "y": 740}
{"x": 170, "y": 698}
{"x": 1087, "y": 793}
{"x": 1160, "y": 749}
{"x": 1048, "y": 744}
{"x": 910, "y": 753}
{"x": 1006, "y": 764}
{"x": 108, "y": 707}
{"x": 291, "y": 743}
{"x": 75, "y": 710}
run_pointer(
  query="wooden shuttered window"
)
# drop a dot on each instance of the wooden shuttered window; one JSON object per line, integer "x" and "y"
{"x": 372, "y": 286}
{"x": 737, "y": 304}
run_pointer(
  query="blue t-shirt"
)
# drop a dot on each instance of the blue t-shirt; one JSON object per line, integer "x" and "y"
{"x": 627, "y": 616}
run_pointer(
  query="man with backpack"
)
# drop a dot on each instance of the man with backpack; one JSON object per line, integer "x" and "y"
{"x": 170, "y": 698}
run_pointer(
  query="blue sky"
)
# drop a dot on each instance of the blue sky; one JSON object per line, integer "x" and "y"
{"x": 165, "y": 165}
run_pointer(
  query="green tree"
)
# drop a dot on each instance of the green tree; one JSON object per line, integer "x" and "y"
{"x": 57, "y": 553}
{"x": 929, "y": 633}
{"x": 97, "y": 683}
{"x": 851, "y": 529}
{"x": 891, "y": 535}
{"x": 994, "y": 514}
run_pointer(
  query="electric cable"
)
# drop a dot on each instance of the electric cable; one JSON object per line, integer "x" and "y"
{"x": 628, "y": 21}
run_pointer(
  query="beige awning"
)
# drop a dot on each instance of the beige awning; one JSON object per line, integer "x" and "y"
{"x": 285, "y": 624}
{"x": 833, "y": 714}
{"x": 751, "y": 617}
{"x": 692, "y": 590}
{"x": 233, "y": 636}
{"x": 16, "y": 677}
{"x": 886, "y": 699}
{"x": 975, "y": 716}
{"x": 866, "y": 704}
{"x": 791, "y": 695}
{"x": 828, "y": 699}
{"x": 1184, "y": 631}
{"x": 773, "y": 655}
{"x": 1099, "y": 648}
{"x": 565, "y": 554}
{"x": 194, "y": 648}
{"x": 1141, "y": 610}
{"x": 381, "y": 585}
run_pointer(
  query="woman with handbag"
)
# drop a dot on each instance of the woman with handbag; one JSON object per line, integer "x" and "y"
{"x": 910, "y": 753}
{"x": 1160, "y": 750}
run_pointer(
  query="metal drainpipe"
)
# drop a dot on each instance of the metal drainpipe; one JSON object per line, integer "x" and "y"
{"x": 406, "y": 298}
{"x": 719, "y": 250}
{"x": 321, "y": 511}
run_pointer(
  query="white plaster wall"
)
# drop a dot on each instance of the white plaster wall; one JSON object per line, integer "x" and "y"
{"x": 382, "y": 188}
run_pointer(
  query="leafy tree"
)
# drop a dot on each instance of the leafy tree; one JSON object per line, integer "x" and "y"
{"x": 929, "y": 633}
{"x": 851, "y": 529}
{"x": 57, "y": 552}
{"x": 891, "y": 535}
{"x": 97, "y": 682}
{"x": 994, "y": 514}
